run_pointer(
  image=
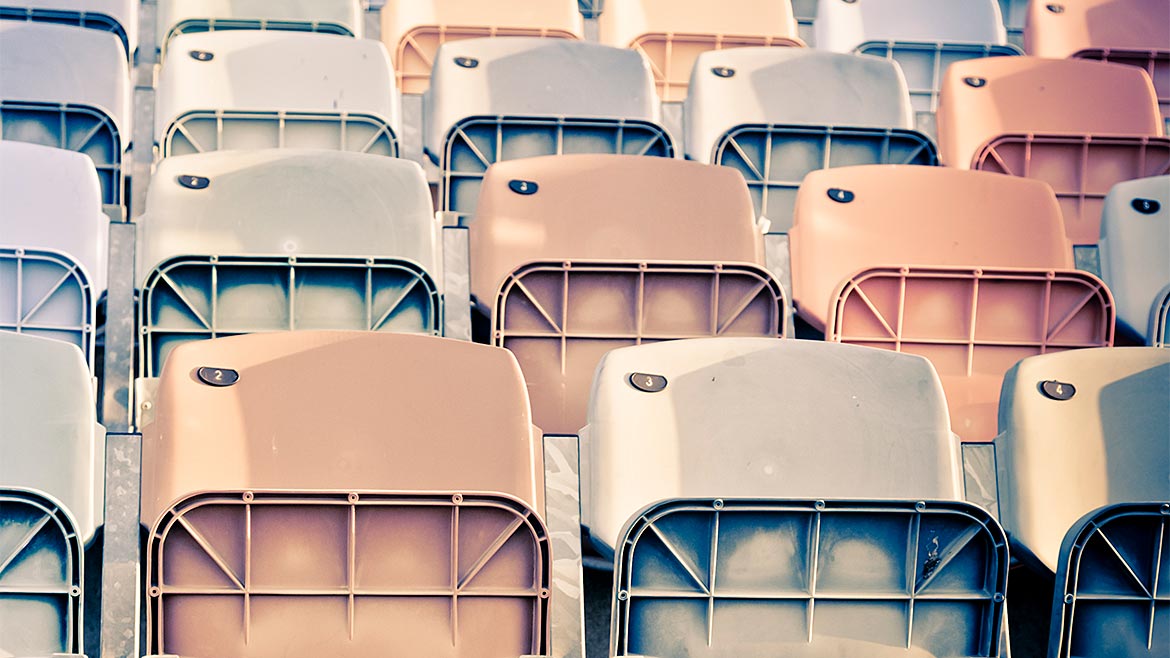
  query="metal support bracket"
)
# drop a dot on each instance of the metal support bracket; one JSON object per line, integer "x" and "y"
{"x": 118, "y": 371}
{"x": 980, "y": 483}
{"x": 562, "y": 502}
{"x": 456, "y": 283}
{"x": 778, "y": 260}
{"x": 121, "y": 573}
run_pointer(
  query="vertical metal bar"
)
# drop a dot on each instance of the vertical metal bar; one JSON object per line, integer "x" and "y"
{"x": 121, "y": 575}
{"x": 119, "y": 346}
{"x": 456, "y": 283}
{"x": 142, "y": 138}
{"x": 778, "y": 260}
{"x": 562, "y": 502}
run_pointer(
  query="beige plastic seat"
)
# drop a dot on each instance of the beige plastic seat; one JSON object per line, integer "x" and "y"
{"x": 360, "y": 494}
{"x": 1130, "y": 32}
{"x": 177, "y": 17}
{"x": 119, "y": 17}
{"x": 285, "y": 239}
{"x": 1080, "y": 430}
{"x": 1078, "y": 125}
{"x": 970, "y": 269}
{"x": 413, "y": 30}
{"x": 251, "y": 89}
{"x": 670, "y": 34}
{"x": 573, "y": 256}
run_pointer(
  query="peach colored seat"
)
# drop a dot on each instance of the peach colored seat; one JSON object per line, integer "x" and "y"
{"x": 577, "y": 255}
{"x": 672, "y": 33}
{"x": 413, "y": 30}
{"x": 1078, "y": 125}
{"x": 970, "y": 269}
{"x": 358, "y": 493}
{"x": 1134, "y": 32}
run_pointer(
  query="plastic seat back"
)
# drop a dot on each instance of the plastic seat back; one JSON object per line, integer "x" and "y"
{"x": 177, "y": 17}
{"x": 923, "y": 36}
{"x": 1080, "y": 126}
{"x": 67, "y": 87}
{"x": 768, "y": 113}
{"x": 119, "y": 17}
{"x": 500, "y": 99}
{"x": 891, "y": 579}
{"x": 278, "y": 240}
{"x": 577, "y": 255}
{"x": 52, "y": 452}
{"x": 1135, "y": 229}
{"x": 974, "y": 273}
{"x": 1080, "y": 430}
{"x": 1120, "y": 31}
{"x": 244, "y": 90}
{"x": 419, "y": 517}
{"x": 413, "y": 30}
{"x": 670, "y": 34}
{"x": 1109, "y": 584}
{"x": 672, "y": 421}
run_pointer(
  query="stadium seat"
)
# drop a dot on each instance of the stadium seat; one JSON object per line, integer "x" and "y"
{"x": 1110, "y": 587}
{"x": 670, "y": 34}
{"x": 1130, "y": 32}
{"x": 1135, "y": 260}
{"x": 285, "y": 239}
{"x": 923, "y": 36}
{"x": 175, "y": 17}
{"x": 51, "y": 493}
{"x": 361, "y": 494}
{"x": 119, "y": 17}
{"x": 768, "y": 113}
{"x": 1080, "y": 126}
{"x": 1014, "y": 14}
{"x": 413, "y": 30}
{"x": 67, "y": 87}
{"x": 573, "y": 256}
{"x": 729, "y": 439}
{"x": 970, "y": 269}
{"x": 53, "y": 237}
{"x": 500, "y": 99}
{"x": 252, "y": 90}
{"x": 1080, "y": 430}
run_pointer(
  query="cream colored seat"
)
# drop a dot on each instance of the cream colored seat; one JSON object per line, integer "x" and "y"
{"x": 117, "y": 16}
{"x": 176, "y": 17}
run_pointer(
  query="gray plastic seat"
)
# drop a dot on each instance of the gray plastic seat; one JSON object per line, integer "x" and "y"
{"x": 285, "y": 239}
{"x": 119, "y": 17}
{"x": 253, "y": 89}
{"x": 1111, "y": 586}
{"x": 1135, "y": 249}
{"x": 67, "y": 87}
{"x": 1080, "y": 430}
{"x": 923, "y": 36}
{"x": 51, "y": 492}
{"x": 53, "y": 237}
{"x": 177, "y": 17}
{"x": 745, "y": 450}
{"x": 501, "y": 99}
{"x": 769, "y": 113}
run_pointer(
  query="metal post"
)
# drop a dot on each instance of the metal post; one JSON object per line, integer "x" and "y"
{"x": 562, "y": 502}
{"x": 456, "y": 283}
{"x": 121, "y": 575}
{"x": 778, "y": 260}
{"x": 142, "y": 139}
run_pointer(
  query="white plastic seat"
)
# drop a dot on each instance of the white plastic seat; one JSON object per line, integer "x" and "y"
{"x": 177, "y": 17}
{"x": 414, "y": 30}
{"x": 252, "y": 89}
{"x": 1135, "y": 262}
{"x": 117, "y": 16}
{"x": 52, "y": 453}
{"x": 763, "y": 451}
{"x": 769, "y": 113}
{"x": 67, "y": 87}
{"x": 923, "y": 36}
{"x": 507, "y": 98}
{"x": 283, "y": 239}
{"x": 670, "y": 34}
{"x": 50, "y": 199}
{"x": 1080, "y": 430}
